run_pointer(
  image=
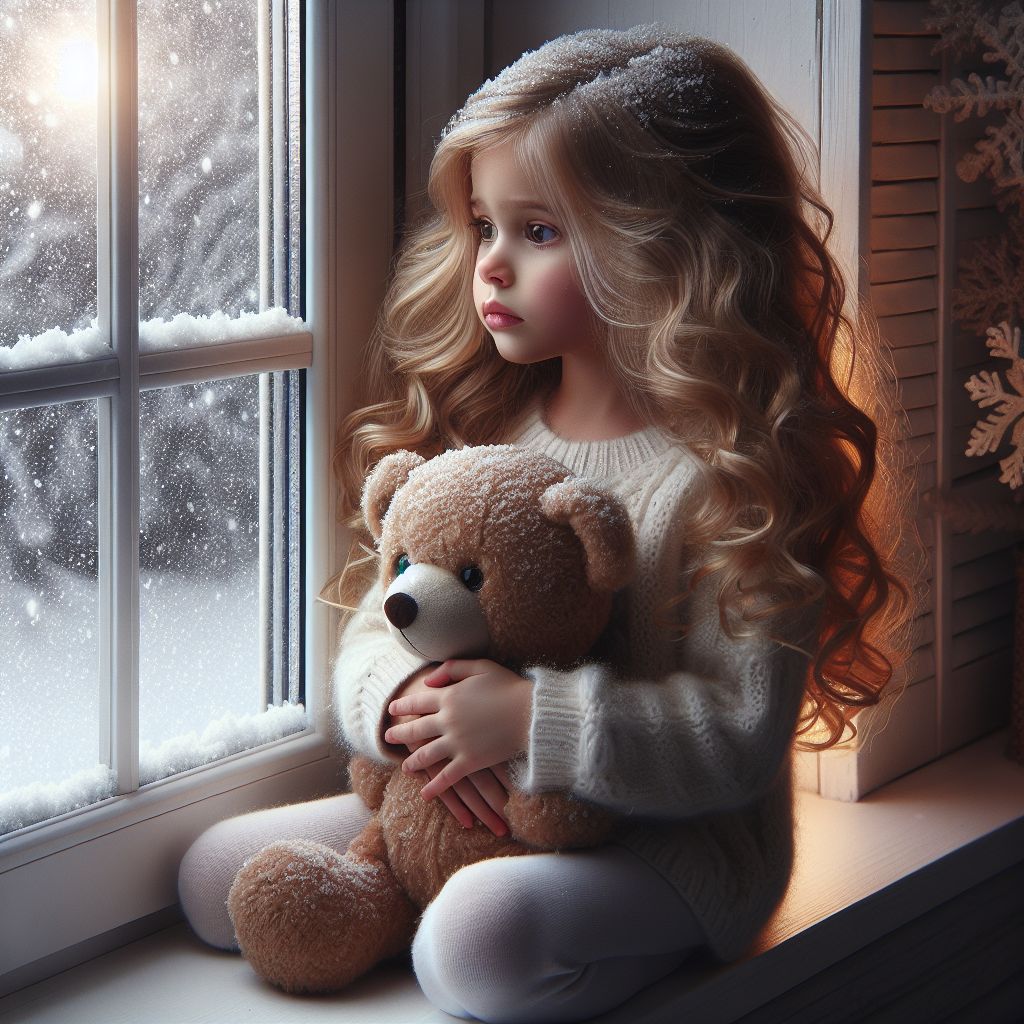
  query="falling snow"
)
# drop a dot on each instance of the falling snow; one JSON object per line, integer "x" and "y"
{"x": 198, "y": 221}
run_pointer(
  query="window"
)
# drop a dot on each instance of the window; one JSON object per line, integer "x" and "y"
{"x": 109, "y": 871}
{"x": 151, "y": 392}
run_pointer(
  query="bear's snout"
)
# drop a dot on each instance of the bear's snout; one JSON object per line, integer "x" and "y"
{"x": 401, "y": 610}
{"x": 432, "y": 613}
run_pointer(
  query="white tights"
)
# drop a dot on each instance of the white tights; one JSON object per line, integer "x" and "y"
{"x": 550, "y": 937}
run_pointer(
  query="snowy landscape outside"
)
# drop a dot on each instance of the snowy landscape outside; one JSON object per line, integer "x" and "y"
{"x": 200, "y": 653}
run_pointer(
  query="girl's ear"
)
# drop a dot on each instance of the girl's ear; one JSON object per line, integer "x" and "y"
{"x": 382, "y": 483}
{"x": 602, "y": 525}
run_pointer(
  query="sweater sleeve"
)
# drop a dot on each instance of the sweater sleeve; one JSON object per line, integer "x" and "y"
{"x": 368, "y": 669}
{"x": 708, "y": 737}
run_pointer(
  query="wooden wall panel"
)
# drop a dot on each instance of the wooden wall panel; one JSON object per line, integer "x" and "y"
{"x": 894, "y": 738}
{"x": 975, "y": 699}
{"x": 916, "y": 203}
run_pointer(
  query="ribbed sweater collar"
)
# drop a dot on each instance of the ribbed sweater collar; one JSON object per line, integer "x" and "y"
{"x": 595, "y": 459}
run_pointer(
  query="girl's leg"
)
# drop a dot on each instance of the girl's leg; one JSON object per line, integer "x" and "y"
{"x": 551, "y": 937}
{"x": 211, "y": 863}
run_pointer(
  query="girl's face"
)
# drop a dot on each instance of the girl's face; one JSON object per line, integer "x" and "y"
{"x": 525, "y": 287}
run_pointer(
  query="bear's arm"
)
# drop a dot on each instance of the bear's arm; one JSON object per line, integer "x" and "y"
{"x": 369, "y": 778}
{"x": 369, "y": 668}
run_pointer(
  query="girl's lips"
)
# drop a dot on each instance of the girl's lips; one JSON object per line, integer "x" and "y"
{"x": 501, "y": 321}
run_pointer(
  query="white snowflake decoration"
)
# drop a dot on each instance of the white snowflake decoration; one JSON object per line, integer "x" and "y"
{"x": 1001, "y": 153}
{"x": 987, "y": 390}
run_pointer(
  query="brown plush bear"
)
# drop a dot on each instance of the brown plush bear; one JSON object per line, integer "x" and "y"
{"x": 491, "y": 551}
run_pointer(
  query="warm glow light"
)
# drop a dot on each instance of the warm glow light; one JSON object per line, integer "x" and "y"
{"x": 76, "y": 71}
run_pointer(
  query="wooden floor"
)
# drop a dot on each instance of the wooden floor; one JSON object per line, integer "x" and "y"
{"x": 939, "y": 851}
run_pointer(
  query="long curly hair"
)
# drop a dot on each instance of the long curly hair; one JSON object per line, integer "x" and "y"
{"x": 700, "y": 240}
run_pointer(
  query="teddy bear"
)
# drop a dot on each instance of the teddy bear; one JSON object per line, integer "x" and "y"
{"x": 489, "y": 551}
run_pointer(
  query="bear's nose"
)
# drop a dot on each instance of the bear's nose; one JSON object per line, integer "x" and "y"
{"x": 401, "y": 610}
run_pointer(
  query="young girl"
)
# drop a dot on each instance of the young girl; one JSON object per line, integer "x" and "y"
{"x": 626, "y": 269}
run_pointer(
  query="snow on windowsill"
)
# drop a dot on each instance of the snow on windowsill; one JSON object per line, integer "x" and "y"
{"x": 186, "y": 331}
{"x": 221, "y": 738}
{"x": 229, "y": 734}
{"x": 55, "y": 346}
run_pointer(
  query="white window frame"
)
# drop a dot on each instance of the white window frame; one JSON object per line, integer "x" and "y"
{"x": 75, "y": 885}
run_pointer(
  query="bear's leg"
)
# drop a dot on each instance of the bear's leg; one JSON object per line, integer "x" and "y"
{"x": 311, "y": 920}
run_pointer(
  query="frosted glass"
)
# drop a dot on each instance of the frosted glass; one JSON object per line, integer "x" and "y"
{"x": 49, "y": 633}
{"x": 199, "y": 559}
{"x": 198, "y": 157}
{"x": 48, "y": 177}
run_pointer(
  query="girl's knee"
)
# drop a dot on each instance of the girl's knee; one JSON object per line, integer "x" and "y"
{"x": 476, "y": 949}
{"x": 204, "y": 878}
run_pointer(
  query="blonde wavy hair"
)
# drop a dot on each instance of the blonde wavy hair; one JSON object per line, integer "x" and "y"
{"x": 701, "y": 243}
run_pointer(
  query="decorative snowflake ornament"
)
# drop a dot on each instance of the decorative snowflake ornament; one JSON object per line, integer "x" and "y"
{"x": 1000, "y": 153}
{"x": 987, "y": 390}
{"x": 990, "y": 282}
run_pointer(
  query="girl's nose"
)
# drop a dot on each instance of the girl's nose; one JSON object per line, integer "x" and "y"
{"x": 493, "y": 268}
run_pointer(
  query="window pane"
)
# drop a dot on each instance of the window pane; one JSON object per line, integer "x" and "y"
{"x": 198, "y": 157}
{"x": 49, "y": 633}
{"x": 48, "y": 176}
{"x": 203, "y": 680}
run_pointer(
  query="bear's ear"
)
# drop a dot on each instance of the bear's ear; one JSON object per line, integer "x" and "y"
{"x": 383, "y": 482}
{"x": 601, "y": 523}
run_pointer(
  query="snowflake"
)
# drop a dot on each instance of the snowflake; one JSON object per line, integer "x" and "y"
{"x": 954, "y": 20}
{"x": 986, "y": 389}
{"x": 1000, "y": 153}
{"x": 990, "y": 280}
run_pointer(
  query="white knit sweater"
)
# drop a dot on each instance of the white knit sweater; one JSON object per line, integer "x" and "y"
{"x": 688, "y": 739}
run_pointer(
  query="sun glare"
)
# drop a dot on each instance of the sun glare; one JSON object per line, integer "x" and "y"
{"x": 76, "y": 70}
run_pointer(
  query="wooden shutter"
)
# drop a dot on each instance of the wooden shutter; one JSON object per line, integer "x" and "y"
{"x": 921, "y": 216}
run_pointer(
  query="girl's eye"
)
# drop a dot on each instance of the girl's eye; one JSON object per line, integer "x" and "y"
{"x": 472, "y": 578}
{"x": 541, "y": 233}
{"x": 401, "y": 564}
{"x": 484, "y": 228}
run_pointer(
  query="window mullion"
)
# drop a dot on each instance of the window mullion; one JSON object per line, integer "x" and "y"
{"x": 124, "y": 334}
{"x": 266, "y": 270}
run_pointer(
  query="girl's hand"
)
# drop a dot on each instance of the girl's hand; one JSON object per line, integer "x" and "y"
{"x": 479, "y": 724}
{"x": 482, "y": 796}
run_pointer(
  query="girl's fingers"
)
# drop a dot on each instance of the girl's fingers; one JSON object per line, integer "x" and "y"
{"x": 465, "y": 803}
{"x": 490, "y": 787}
{"x": 424, "y": 756}
{"x": 472, "y": 797}
{"x": 454, "y": 672}
{"x": 450, "y": 798}
{"x": 414, "y": 704}
{"x": 439, "y": 677}
{"x": 447, "y": 776}
{"x": 501, "y": 772}
{"x": 416, "y": 731}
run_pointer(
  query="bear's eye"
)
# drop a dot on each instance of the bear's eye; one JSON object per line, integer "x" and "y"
{"x": 472, "y": 577}
{"x": 401, "y": 564}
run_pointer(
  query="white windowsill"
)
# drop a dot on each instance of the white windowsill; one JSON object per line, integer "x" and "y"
{"x": 863, "y": 870}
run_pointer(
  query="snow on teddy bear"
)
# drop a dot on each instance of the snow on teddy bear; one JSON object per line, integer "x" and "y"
{"x": 487, "y": 551}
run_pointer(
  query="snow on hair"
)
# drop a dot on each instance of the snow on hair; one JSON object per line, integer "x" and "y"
{"x": 699, "y": 239}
